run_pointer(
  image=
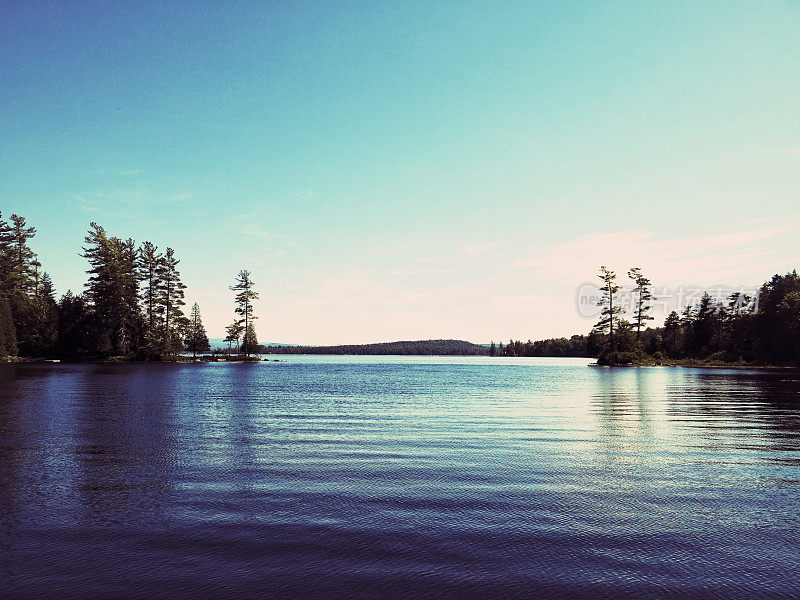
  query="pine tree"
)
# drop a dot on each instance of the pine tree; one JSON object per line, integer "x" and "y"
{"x": 672, "y": 334}
{"x": 151, "y": 263}
{"x": 706, "y": 327}
{"x": 22, "y": 257}
{"x": 46, "y": 289}
{"x": 250, "y": 341}
{"x": 608, "y": 316}
{"x": 643, "y": 302}
{"x": 37, "y": 321}
{"x": 196, "y": 337}
{"x": 234, "y": 333}
{"x": 244, "y": 302}
{"x": 34, "y": 316}
{"x": 48, "y": 325}
{"x": 6, "y": 245}
{"x": 8, "y": 331}
{"x": 113, "y": 289}
{"x": 172, "y": 293}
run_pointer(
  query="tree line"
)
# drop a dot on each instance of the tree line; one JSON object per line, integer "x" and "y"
{"x": 577, "y": 345}
{"x": 132, "y": 305}
{"x": 759, "y": 329}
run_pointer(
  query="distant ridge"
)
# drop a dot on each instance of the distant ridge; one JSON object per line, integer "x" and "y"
{"x": 419, "y": 347}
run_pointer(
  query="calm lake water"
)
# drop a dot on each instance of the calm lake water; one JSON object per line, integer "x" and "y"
{"x": 363, "y": 477}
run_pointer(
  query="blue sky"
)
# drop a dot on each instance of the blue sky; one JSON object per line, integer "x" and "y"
{"x": 408, "y": 170}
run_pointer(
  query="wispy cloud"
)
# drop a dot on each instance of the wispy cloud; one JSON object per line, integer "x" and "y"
{"x": 254, "y": 225}
{"x": 141, "y": 196}
{"x": 703, "y": 258}
{"x": 119, "y": 172}
{"x": 127, "y": 203}
{"x": 255, "y": 230}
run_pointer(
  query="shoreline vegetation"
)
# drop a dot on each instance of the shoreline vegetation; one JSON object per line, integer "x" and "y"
{"x": 131, "y": 310}
{"x": 740, "y": 330}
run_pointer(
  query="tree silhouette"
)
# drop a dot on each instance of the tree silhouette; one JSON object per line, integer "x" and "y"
{"x": 244, "y": 302}
{"x": 642, "y": 304}
{"x": 608, "y": 316}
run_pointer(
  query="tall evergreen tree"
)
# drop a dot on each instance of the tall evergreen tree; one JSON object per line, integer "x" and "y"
{"x": 34, "y": 315}
{"x": 151, "y": 268}
{"x": 113, "y": 289}
{"x": 196, "y": 337}
{"x": 643, "y": 299}
{"x": 244, "y": 302}
{"x": 609, "y": 315}
{"x": 8, "y": 330}
{"x": 46, "y": 289}
{"x": 672, "y": 334}
{"x": 706, "y": 328}
{"x": 6, "y": 245}
{"x": 22, "y": 257}
{"x": 172, "y": 292}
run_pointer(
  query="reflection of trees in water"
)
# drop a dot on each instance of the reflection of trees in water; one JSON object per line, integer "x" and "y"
{"x": 723, "y": 407}
{"x": 216, "y": 418}
{"x": 756, "y": 410}
{"x": 12, "y": 444}
{"x": 123, "y": 447}
{"x": 36, "y": 472}
{"x": 34, "y": 416}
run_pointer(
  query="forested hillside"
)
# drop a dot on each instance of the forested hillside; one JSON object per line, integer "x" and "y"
{"x": 422, "y": 347}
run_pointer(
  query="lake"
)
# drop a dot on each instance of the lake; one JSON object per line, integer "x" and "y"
{"x": 398, "y": 477}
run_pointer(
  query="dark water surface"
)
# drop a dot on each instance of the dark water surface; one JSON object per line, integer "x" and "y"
{"x": 346, "y": 477}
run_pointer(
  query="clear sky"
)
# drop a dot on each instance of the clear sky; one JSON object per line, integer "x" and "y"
{"x": 408, "y": 170}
